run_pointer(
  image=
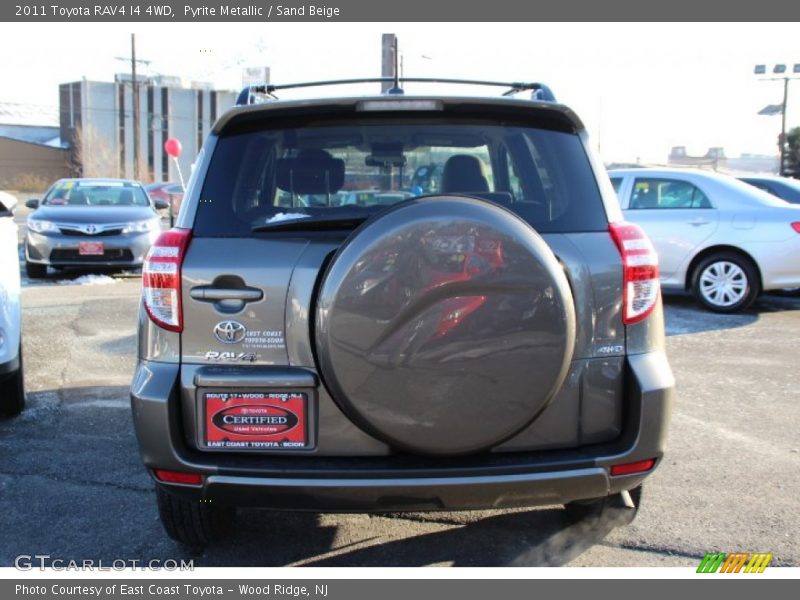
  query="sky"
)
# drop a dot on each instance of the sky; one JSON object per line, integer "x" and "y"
{"x": 640, "y": 88}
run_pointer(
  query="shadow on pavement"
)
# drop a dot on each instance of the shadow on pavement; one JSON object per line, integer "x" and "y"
{"x": 683, "y": 314}
{"x": 530, "y": 538}
{"x": 533, "y": 538}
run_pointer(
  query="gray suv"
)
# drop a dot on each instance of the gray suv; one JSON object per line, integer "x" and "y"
{"x": 496, "y": 344}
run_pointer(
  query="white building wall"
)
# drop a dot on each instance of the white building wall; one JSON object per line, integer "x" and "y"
{"x": 98, "y": 133}
{"x": 183, "y": 126}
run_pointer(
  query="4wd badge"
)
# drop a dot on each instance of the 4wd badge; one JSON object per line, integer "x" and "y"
{"x": 230, "y": 332}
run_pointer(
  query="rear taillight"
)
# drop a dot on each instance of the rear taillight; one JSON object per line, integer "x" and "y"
{"x": 640, "y": 282}
{"x": 796, "y": 226}
{"x": 161, "y": 279}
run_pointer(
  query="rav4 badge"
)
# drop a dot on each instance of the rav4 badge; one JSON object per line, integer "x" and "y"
{"x": 231, "y": 356}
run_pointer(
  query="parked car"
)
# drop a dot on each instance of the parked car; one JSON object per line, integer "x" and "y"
{"x": 12, "y": 388}
{"x": 427, "y": 178}
{"x": 723, "y": 239}
{"x": 784, "y": 188}
{"x": 90, "y": 223}
{"x": 499, "y": 344}
{"x": 168, "y": 191}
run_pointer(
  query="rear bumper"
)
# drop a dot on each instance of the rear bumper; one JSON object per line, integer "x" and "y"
{"x": 379, "y": 484}
{"x": 778, "y": 263}
{"x": 431, "y": 493}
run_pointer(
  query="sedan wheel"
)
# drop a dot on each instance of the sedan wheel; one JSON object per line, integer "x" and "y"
{"x": 726, "y": 283}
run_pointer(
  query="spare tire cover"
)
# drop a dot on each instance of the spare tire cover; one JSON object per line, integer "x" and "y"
{"x": 444, "y": 326}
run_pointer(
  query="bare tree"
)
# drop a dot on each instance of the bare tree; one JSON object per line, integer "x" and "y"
{"x": 792, "y": 153}
{"x": 93, "y": 155}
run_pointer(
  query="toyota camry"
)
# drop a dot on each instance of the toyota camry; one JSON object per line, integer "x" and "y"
{"x": 90, "y": 223}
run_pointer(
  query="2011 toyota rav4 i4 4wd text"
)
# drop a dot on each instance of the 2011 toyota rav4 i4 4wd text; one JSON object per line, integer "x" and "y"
{"x": 320, "y": 332}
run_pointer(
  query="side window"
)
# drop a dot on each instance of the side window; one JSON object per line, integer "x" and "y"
{"x": 763, "y": 186}
{"x": 699, "y": 199}
{"x": 617, "y": 183}
{"x": 515, "y": 187}
{"x": 667, "y": 193}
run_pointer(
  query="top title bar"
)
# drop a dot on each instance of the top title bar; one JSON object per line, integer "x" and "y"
{"x": 402, "y": 10}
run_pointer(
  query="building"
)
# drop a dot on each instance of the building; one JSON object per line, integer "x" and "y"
{"x": 31, "y": 153}
{"x": 716, "y": 159}
{"x": 96, "y": 119}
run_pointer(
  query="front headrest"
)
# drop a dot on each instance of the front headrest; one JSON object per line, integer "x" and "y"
{"x": 463, "y": 173}
{"x": 77, "y": 197}
{"x": 311, "y": 172}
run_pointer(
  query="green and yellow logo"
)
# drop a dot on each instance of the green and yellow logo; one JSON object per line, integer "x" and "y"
{"x": 719, "y": 562}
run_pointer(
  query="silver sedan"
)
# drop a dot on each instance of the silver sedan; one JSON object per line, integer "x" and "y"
{"x": 90, "y": 223}
{"x": 723, "y": 239}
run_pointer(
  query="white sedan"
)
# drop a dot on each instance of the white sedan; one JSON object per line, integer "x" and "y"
{"x": 723, "y": 239}
{"x": 12, "y": 390}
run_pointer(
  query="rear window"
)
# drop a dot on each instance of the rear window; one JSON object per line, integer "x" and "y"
{"x": 789, "y": 190}
{"x": 256, "y": 177}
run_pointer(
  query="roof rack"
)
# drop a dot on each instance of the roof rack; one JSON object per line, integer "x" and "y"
{"x": 255, "y": 94}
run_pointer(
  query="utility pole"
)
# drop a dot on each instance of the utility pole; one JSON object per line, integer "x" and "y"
{"x": 783, "y": 126}
{"x": 136, "y": 116}
{"x": 388, "y": 59}
{"x": 780, "y": 71}
{"x": 136, "y": 113}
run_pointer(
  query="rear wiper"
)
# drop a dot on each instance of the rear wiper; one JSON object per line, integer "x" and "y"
{"x": 317, "y": 223}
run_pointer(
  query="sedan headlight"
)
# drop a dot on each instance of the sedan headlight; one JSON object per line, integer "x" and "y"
{"x": 142, "y": 226}
{"x": 41, "y": 226}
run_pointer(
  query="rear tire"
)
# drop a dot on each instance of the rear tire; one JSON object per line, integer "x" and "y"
{"x": 607, "y": 508}
{"x": 35, "y": 270}
{"x": 12, "y": 392}
{"x": 193, "y": 523}
{"x": 726, "y": 282}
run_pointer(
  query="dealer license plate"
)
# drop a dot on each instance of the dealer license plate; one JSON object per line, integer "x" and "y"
{"x": 256, "y": 420}
{"x": 91, "y": 248}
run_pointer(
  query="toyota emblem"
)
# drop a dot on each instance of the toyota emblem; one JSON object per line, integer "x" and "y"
{"x": 229, "y": 332}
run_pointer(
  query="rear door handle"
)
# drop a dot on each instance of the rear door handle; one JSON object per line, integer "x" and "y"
{"x": 697, "y": 222}
{"x": 206, "y": 293}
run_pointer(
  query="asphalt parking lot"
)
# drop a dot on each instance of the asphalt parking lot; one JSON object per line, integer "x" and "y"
{"x": 72, "y": 486}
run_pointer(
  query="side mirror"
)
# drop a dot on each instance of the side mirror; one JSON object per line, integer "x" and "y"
{"x": 160, "y": 204}
{"x": 7, "y": 202}
{"x": 32, "y": 203}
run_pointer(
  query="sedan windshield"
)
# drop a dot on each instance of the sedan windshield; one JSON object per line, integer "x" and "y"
{"x": 104, "y": 193}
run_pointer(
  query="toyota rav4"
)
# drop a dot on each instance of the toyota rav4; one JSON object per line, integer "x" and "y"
{"x": 319, "y": 333}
